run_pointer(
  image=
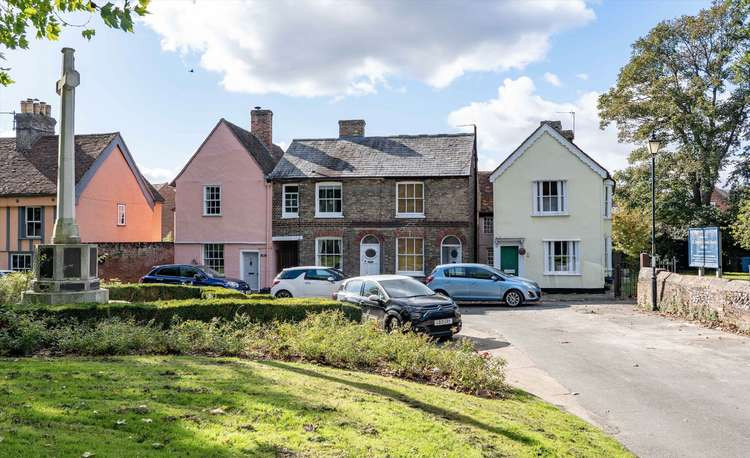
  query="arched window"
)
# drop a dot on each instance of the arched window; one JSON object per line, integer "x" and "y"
{"x": 450, "y": 250}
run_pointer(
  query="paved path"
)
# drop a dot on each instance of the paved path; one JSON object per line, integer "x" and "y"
{"x": 664, "y": 388}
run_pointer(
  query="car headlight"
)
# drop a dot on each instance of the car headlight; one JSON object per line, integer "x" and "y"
{"x": 233, "y": 284}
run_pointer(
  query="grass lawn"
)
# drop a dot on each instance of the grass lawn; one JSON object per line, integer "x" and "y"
{"x": 201, "y": 406}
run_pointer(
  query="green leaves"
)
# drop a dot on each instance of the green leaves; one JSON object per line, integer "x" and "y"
{"x": 47, "y": 18}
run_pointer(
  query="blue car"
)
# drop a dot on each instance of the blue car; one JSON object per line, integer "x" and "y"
{"x": 185, "y": 274}
{"x": 479, "y": 282}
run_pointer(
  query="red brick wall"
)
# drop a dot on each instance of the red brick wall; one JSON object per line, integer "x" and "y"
{"x": 130, "y": 261}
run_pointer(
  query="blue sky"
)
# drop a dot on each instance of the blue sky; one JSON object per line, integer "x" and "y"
{"x": 406, "y": 68}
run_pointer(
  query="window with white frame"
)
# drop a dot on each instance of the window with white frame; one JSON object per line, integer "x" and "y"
{"x": 410, "y": 199}
{"x": 213, "y": 256}
{"x": 550, "y": 197}
{"x": 211, "y": 200}
{"x": 120, "y": 214}
{"x": 608, "y": 200}
{"x": 33, "y": 217}
{"x": 290, "y": 205}
{"x": 607, "y": 255}
{"x": 20, "y": 262}
{"x": 490, "y": 256}
{"x": 328, "y": 201}
{"x": 410, "y": 256}
{"x": 328, "y": 252}
{"x": 562, "y": 257}
{"x": 487, "y": 224}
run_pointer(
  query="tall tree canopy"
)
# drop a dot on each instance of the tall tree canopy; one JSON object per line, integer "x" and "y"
{"x": 687, "y": 81}
{"x": 46, "y": 19}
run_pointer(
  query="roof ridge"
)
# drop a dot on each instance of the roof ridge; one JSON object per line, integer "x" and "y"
{"x": 463, "y": 134}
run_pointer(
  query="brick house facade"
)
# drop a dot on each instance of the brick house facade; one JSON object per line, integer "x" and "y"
{"x": 409, "y": 200}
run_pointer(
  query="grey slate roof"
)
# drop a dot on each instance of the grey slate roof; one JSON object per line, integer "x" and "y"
{"x": 394, "y": 156}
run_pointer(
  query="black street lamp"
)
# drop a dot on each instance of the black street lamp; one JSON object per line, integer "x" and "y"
{"x": 653, "y": 147}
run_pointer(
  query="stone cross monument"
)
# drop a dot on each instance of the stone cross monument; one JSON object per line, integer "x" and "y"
{"x": 66, "y": 271}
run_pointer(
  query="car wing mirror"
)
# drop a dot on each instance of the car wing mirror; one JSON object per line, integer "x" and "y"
{"x": 495, "y": 278}
{"x": 331, "y": 279}
{"x": 374, "y": 298}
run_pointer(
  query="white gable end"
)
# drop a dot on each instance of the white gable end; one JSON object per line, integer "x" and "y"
{"x": 565, "y": 143}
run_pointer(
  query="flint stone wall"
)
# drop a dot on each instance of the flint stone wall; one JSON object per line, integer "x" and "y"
{"x": 708, "y": 299}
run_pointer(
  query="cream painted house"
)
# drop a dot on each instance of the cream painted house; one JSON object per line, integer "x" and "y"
{"x": 552, "y": 213}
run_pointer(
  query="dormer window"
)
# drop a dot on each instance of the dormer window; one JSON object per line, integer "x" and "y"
{"x": 550, "y": 198}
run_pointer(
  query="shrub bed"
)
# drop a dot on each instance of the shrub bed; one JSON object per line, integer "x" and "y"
{"x": 326, "y": 338}
{"x": 165, "y": 312}
{"x": 12, "y": 287}
{"x": 149, "y": 292}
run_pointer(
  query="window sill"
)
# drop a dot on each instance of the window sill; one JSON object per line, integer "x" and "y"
{"x": 329, "y": 215}
{"x": 121, "y": 225}
{"x": 551, "y": 214}
{"x": 563, "y": 274}
{"x": 36, "y": 237}
{"x": 410, "y": 215}
{"x": 290, "y": 216}
{"x": 211, "y": 216}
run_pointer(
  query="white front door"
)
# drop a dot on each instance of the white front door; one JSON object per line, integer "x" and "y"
{"x": 369, "y": 259}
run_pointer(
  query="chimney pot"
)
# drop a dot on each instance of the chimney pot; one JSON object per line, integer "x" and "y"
{"x": 352, "y": 128}
{"x": 33, "y": 122}
{"x": 261, "y": 124}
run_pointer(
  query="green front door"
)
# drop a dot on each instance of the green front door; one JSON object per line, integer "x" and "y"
{"x": 509, "y": 259}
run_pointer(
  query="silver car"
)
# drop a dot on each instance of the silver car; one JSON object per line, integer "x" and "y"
{"x": 479, "y": 282}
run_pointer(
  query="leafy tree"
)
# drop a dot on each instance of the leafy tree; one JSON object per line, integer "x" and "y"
{"x": 631, "y": 231}
{"x": 741, "y": 225}
{"x": 44, "y": 18}
{"x": 687, "y": 81}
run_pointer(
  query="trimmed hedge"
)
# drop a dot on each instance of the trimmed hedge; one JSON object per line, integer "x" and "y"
{"x": 151, "y": 292}
{"x": 164, "y": 312}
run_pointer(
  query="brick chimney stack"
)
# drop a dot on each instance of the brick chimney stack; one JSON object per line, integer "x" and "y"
{"x": 557, "y": 125}
{"x": 261, "y": 124}
{"x": 352, "y": 128}
{"x": 33, "y": 122}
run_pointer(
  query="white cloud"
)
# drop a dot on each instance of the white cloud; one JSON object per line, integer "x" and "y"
{"x": 583, "y": 76}
{"x": 552, "y": 79}
{"x": 332, "y": 48}
{"x": 504, "y": 122}
{"x": 157, "y": 174}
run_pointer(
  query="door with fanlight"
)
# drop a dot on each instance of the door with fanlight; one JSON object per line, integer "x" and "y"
{"x": 369, "y": 256}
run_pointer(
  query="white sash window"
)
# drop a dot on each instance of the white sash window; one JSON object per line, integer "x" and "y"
{"x": 562, "y": 257}
{"x": 550, "y": 197}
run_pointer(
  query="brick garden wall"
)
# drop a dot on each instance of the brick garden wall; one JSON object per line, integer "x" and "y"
{"x": 369, "y": 207}
{"x": 130, "y": 261}
{"x": 708, "y": 299}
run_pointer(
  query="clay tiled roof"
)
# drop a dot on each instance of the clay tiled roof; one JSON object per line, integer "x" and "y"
{"x": 485, "y": 192}
{"x": 34, "y": 172}
{"x": 394, "y": 156}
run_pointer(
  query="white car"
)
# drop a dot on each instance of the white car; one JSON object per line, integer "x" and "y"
{"x": 307, "y": 281}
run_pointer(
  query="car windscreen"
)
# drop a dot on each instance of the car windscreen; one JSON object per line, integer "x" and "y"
{"x": 401, "y": 288}
{"x": 500, "y": 273}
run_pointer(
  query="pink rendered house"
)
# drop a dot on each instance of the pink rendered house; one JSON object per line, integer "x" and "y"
{"x": 223, "y": 202}
{"x": 114, "y": 202}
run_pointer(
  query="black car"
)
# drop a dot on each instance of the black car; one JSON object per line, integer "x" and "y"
{"x": 185, "y": 274}
{"x": 395, "y": 300}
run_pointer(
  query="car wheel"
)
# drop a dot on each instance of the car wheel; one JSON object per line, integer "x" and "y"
{"x": 391, "y": 323}
{"x": 440, "y": 291}
{"x": 283, "y": 294}
{"x": 513, "y": 298}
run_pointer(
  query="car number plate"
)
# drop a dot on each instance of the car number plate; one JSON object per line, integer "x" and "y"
{"x": 443, "y": 322}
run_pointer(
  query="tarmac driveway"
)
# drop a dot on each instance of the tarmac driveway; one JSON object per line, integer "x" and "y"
{"x": 662, "y": 387}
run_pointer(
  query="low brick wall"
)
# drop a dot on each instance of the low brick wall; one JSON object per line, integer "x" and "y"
{"x": 707, "y": 299}
{"x": 130, "y": 261}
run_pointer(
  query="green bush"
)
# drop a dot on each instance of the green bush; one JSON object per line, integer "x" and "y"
{"x": 12, "y": 287}
{"x": 150, "y": 292}
{"x": 164, "y": 312}
{"x": 327, "y": 338}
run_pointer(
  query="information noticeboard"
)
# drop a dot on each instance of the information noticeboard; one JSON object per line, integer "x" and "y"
{"x": 704, "y": 247}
